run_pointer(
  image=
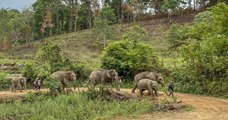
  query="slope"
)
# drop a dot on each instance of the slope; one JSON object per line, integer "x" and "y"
{"x": 84, "y": 46}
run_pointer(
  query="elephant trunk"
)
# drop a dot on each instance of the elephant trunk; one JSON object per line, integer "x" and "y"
{"x": 118, "y": 82}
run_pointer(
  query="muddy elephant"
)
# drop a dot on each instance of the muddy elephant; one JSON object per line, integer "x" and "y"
{"x": 105, "y": 77}
{"x": 18, "y": 81}
{"x": 147, "y": 84}
{"x": 64, "y": 77}
{"x": 147, "y": 75}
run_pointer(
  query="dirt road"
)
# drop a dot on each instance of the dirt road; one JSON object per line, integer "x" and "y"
{"x": 205, "y": 108}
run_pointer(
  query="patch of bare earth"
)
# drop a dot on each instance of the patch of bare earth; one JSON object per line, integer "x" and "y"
{"x": 205, "y": 108}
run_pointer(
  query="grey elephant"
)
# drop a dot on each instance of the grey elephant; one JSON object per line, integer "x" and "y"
{"x": 64, "y": 77}
{"x": 147, "y": 75}
{"x": 104, "y": 76}
{"x": 18, "y": 81}
{"x": 147, "y": 84}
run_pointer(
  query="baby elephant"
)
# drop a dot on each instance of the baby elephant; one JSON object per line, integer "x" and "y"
{"x": 18, "y": 81}
{"x": 147, "y": 84}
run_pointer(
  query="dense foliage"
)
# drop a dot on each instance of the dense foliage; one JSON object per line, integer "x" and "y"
{"x": 51, "y": 53}
{"x": 205, "y": 52}
{"x": 54, "y": 17}
{"x": 129, "y": 57}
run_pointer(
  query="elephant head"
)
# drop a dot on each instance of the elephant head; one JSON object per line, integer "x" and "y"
{"x": 159, "y": 78}
{"x": 22, "y": 80}
{"x": 71, "y": 76}
{"x": 112, "y": 74}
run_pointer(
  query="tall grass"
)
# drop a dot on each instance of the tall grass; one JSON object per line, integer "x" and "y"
{"x": 71, "y": 107}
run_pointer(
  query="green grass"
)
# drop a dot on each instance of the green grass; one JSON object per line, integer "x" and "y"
{"x": 74, "y": 106}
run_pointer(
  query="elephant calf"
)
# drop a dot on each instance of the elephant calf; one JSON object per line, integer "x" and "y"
{"x": 18, "y": 81}
{"x": 147, "y": 84}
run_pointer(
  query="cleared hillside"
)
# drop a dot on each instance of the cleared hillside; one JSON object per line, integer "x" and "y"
{"x": 84, "y": 46}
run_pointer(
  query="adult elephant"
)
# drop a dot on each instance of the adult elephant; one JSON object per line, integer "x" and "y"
{"x": 64, "y": 77}
{"x": 104, "y": 76}
{"x": 18, "y": 81}
{"x": 147, "y": 75}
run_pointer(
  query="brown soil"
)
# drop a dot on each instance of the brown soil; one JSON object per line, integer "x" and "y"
{"x": 205, "y": 108}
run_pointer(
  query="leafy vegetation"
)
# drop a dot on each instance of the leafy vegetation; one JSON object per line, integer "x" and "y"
{"x": 73, "y": 106}
{"x": 129, "y": 57}
{"x": 205, "y": 54}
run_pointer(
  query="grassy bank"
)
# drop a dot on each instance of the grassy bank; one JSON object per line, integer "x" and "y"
{"x": 74, "y": 106}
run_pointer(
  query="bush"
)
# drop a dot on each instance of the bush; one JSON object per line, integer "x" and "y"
{"x": 35, "y": 97}
{"x": 29, "y": 72}
{"x": 82, "y": 70}
{"x": 205, "y": 56}
{"x": 51, "y": 54}
{"x": 177, "y": 35}
{"x": 4, "y": 82}
{"x": 102, "y": 94}
{"x": 53, "y": 85}
{"x": 129, "y": 57}
{"x": 135, "y": 33}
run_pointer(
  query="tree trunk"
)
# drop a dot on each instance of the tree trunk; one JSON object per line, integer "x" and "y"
{"x": 70, "y": 20}
{"x": 90, "y": 19}
{"x": 104, "y": 41}
{"x": 75, "y": 24}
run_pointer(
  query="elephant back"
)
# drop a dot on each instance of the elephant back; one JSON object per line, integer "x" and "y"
{"x": 95, "y": 76}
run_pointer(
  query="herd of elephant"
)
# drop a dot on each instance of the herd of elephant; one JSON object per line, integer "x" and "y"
{"x": 143, "y": 81}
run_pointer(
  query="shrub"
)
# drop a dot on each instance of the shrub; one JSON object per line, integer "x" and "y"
{"x": 82, "y": 70}
{"x": 177, "y": 35}
{"x": 205, "y": 71}
{"x": 51, "y": 54}
{"x": 29, "y": 72}
{"x": 35, "y": 97}
{"x": 135, "y": 33}
{"x": 4, "y": 82}
{"x": 129, "y": 57}
{"x": 53, "y": 85}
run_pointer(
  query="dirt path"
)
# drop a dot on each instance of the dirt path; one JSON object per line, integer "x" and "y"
{"x": 205, "y": 108}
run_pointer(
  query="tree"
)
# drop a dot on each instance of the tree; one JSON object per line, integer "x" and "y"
{"x": 50, "y": 54}
{"x": 47, "y": 24}
{"x": 102, "y": 24}
{"x": 170, "y": 6}
{"x": 205, "y": 53}
{"x": 129, "y": 57}
{"x": 177, "y": 36}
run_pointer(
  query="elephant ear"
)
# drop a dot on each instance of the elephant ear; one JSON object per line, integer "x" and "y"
{"x": 156, "y": 76}
{"x": 22, "y": 79}
{"x": 108, "y": 74}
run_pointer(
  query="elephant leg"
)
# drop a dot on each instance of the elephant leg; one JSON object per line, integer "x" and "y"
{"x": 12, "y": 88}
{"x": 20, "y": 87}
{"x": 133, "y": 89}
{"x": 64, "y": 87}
{"x": 25, "y": 87}
{"x": 156, "y": 92}
{"x": 151, "y": 91}
{"x": 140, "y": 92}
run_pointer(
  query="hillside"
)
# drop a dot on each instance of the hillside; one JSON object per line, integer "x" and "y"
{"x": 84, "y": 46}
